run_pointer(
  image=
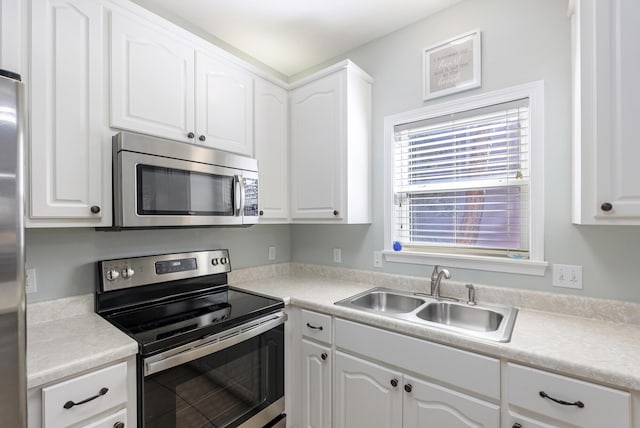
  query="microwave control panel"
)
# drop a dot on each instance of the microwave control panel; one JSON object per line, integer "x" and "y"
{"x": 250, "y": 197}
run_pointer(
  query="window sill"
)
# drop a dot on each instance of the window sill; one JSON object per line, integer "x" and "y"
{"x": 518, "y": 266}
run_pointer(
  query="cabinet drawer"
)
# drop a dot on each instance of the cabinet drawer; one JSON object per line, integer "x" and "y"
{"x": 111, "y": 421}
{"x": 462, "y": 369}
{"x": 602, "y": 406}
{"x": 54, "y": 398}
{"x": 316, "y": 326}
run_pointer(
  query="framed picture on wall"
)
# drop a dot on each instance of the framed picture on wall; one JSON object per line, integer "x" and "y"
{"x": 452, "y": 66}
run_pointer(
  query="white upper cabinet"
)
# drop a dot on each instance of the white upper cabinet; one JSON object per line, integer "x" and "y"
{"x": 606, "y": 90}
{"x": 10, "y": 35}
{"x": 331, "y": 147}
{"x": 152, "y": 80}
{"x": 69, "y": 150}
{"x": 272, "y": 150}
{"x": 224, "y": 105}
{"x": 164, "y": 85}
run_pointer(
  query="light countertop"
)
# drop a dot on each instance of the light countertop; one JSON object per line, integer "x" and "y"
{"x": 65, "y": 337}
{"x": 598, "y": 350}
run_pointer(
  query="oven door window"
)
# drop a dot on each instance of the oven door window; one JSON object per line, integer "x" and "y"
{"x": 168, "y": 191}
{"x": 223, "y": 389}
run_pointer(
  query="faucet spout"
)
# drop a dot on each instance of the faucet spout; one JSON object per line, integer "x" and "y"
{"x": 435, "y": 289}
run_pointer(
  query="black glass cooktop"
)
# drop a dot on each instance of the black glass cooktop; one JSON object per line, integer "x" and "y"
{"x": 165, "y": 325}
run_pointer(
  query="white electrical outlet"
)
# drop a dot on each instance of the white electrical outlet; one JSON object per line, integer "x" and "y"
{"x": 30, "y": 281}
{"x": 272, "y": 253}
{"x": 337, "y": 255}
{"x": 568, "y": 276}
{"x": 377, "y": 259}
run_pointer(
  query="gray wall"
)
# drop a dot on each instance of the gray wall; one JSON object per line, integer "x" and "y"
{"x": 65, "y": 259}
{"x": 522, "y": 41}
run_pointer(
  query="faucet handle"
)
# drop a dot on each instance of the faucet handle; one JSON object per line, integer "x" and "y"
{"x": 435, "y": 272}
{"x": 472, "y": 295}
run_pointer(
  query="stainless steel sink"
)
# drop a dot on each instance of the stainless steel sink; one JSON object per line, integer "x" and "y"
{"x": 385, "y": 301}
{"x": 490, "y": 322}
{"x": 462, "y": 316}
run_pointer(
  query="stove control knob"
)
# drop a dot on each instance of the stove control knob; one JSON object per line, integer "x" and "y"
{"x": 214, "y": 262}
{"x": 127, "y": 272}
{"x": 112, "y": 275}
{"x": 223, "y": 261}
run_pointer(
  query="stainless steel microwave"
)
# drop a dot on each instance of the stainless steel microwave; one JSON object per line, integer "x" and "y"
{"x": 164, "y": 183}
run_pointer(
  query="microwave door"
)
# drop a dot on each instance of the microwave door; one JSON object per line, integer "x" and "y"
{"x": 156, "y": 191}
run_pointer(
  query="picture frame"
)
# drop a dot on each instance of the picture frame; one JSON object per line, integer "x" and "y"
{"x": 452, "y": 66}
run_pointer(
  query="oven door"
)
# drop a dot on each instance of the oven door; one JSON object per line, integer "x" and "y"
{"x": 156, "y": 191}
{"x": 233, "y": 379}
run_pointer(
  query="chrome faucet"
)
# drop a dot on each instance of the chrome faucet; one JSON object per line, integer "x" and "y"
{"x": 436, "y": 278}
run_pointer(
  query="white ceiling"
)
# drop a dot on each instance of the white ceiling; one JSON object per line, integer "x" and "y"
{"x": 293, "y": 35}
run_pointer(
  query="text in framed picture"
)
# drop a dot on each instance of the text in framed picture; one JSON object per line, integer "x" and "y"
{"x": 452, "y": 66}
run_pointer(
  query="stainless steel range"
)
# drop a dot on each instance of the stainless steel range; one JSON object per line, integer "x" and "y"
{"x": 210, "y": 355}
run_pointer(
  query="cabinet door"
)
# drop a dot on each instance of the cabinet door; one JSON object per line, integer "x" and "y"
{"x": 67, "y": 143}
{"x": 618, "y": 178}
{"x": 316, "y": 385}
{"x": 272, "y": 150}
{"x": 606, "y": 67}
{"x": 430, "y": 405}
{"x": 317, "y": 136}
{"x": 224, "y": 105}
{"x": 10, "y": 35}
{"x": 364, "y": 395}
{"x": 151, "y": 80}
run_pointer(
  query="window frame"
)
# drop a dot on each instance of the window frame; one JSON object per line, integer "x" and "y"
{"x": 535, "y": 264}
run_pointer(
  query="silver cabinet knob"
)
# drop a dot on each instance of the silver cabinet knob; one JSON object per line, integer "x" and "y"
{"x": 112, "y": 275}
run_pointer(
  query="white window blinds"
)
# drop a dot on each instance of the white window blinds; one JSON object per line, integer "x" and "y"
{"x": 461, "y": 181}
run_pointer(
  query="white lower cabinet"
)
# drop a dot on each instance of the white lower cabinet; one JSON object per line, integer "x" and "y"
{"x": 372, "y": 395}
{"x": 317, "y": 369}
{"x": 365, "y": 395}
{"x": 390, "y": 380}
{"x": 548, "y": 399}
{"x": 381, "y": 390}
{"x": 316, "y": 385}
{"x": 430, "y": 404}
{"x": 102, "y": 398}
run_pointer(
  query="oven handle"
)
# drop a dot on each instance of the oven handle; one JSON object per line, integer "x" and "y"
{"x": 199, "y": 351}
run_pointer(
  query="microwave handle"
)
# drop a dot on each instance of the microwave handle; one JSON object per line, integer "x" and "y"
{"x": 240, "y": 195}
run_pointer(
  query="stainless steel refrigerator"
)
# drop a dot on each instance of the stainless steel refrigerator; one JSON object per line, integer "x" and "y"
{"x": 13, "y": 379}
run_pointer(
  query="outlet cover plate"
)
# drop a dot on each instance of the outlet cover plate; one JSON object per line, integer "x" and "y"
{"x": 377, "y": 259}
{"x": 567, "y": 276}
{"x": 337, "y": 255}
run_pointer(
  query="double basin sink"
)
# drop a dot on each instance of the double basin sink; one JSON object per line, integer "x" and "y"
{"x": 491, "y": 322}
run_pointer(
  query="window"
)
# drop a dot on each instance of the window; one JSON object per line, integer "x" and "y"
{"x": 464, "y": 182}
